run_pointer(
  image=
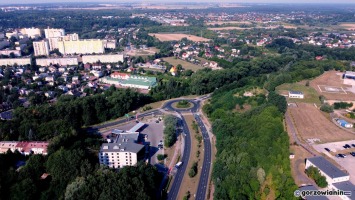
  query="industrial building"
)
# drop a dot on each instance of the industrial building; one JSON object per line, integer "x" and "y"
{"x": 41, "y": 48}
{"x": 345, "y": 186}
{"x": 295, "y": 94}
{"x": 123, "y": 150}
{"x": 132, "y": 81}
{"x": 332, "y": 173}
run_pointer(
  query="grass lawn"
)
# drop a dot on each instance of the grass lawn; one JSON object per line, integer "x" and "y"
{"x": 186, "y": 65}
{"x": 310, "y": 94}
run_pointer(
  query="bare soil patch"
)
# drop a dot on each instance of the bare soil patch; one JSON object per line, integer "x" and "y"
{"x": 227, "y": 22}
{"x": 332, "y": 79}
{"x": 348, "y": 26}
{"x": 177, "y": 36}
{"x": 311, "y": 123}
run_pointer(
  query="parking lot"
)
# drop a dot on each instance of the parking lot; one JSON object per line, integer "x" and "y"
{"x": 335, "y": 148}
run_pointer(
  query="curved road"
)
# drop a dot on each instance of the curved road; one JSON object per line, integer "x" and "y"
{"x": 205, "y": 172}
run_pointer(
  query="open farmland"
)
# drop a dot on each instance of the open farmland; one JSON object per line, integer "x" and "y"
{"x": 177, "y": 36}
{"x": 312, "y": 124}
{"x": 228, "y": 22}
{"x": 186, "y": 65}
{"x": 348, "y": 25}
{"x": 332, "y": 79}
{"x": 227, "y": 28}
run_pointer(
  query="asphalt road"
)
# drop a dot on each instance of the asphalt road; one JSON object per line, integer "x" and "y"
{"x": 175, "y": 187}
{"x": 205, "y": 171}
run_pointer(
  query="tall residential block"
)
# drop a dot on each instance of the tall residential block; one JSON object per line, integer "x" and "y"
{"x": 41, "y": 48}
{"x": 53, "y": 33}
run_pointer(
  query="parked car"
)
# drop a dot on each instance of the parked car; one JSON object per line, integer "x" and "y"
{"x": 327, "y": 149}
{"x": 352, "y": 153}
{"x": 353, "y": 145}
{"x": 339, "y": 156}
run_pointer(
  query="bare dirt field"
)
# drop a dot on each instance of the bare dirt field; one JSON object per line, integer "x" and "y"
{"x": 227, "y": 22}
{"x": 332, "y": 79}
{"x": 260, "y": 27}
{"x": 227, "y": 28}
{"x": 312, "y": 124}
{"x": 348, "y": 25}
{"x": 177, "y": 36}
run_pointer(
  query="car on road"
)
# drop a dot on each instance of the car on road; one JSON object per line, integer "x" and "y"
{"x": 327, "y": 149}
{"x": 178, "y": 164}
{"x": 339, "y": 156}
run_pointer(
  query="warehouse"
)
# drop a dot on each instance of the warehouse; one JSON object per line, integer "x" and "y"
{"x": 332, "y": 173}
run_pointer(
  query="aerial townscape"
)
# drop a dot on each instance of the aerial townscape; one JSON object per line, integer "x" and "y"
{"x": 180, "y": 100}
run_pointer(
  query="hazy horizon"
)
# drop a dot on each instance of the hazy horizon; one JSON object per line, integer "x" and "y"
{"x": 9, "y": 2}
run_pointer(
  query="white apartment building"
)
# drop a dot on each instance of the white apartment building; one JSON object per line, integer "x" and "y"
{"x": 124, "y": 151}
{"x": 8, "y": 52}
{"x": 81, "y": 47}
{"x": 108, "y": 58}
{"x": 31, "y": 32}
{"x": 53, "y": 33}
{"x": 41, "y": 48}
{"x": 58, "y": 61}
{"x": 12, "y": 61}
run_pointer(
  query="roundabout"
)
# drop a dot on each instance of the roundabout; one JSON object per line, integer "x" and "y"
{"x": 172, "y": 105}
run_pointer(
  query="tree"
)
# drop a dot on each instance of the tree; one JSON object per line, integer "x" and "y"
{"x": 315, "y": 174}
{"x": 193, "y": 170}
{"x": 278, "y": 100}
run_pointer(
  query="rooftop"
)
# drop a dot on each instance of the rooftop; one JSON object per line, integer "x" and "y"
{"x": 295, "y": 92}
{"x": 346, "y": 186}
{"x": 327, "y": 167}
{"x": 136, "y": 127}
{"x": 350, "y": 73}
{"x": 121, "y": 147}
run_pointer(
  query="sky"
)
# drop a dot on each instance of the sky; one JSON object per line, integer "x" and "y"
{"x": 135, "y": 1}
